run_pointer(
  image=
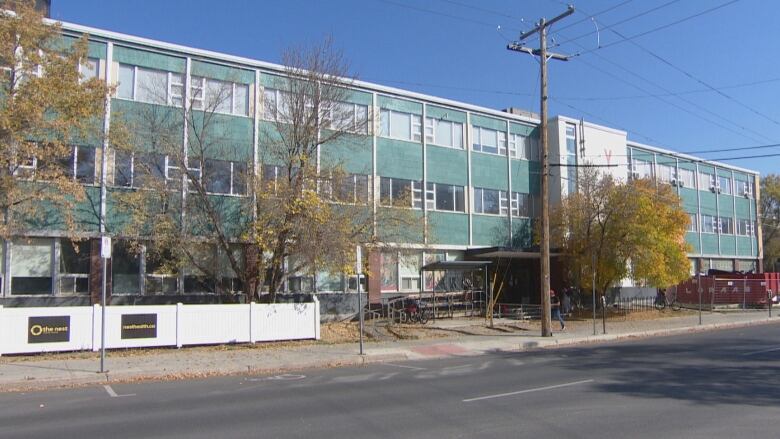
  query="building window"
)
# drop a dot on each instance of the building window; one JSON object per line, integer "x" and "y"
{"x": 90, "y": 69}
{"x": 743, "y": 188}
{"x": 31, "y": 266}
{"x": 726, "y": 225}
{"x": 388, "y": 262}
{"x": 219, "y": 96}
{"x": 444, "y": 133}
{"x": 125, "y": 269}
{"x": 150, "y": 85}
{"x": 522, "y": 147}
{"x": 224, "y": 177}
{"x": 641, "y": 168}
{"x": 352, "y": 189}
{"x": 487, "y": 140}
{"x": 161, "y": 276}
{"x": 706, "y": 181}
{"x": 409, "y": 264}
{"x": 708, "y": 223}
{"x": 666, "y": 173}
{"x": 349, "y": 117}
{"x": 744, "y": 227}
{"x": 724, "y": 185}
{"x": 145, "y": 169}
{"x": 445, "y": 197}
{"x": 74, "y": 258}
{"x": 693, "y": 226}
{"x": 686, "y": 178}
{"x": 399, "y": 125}
{"x": 486, "y": 201}
{"x": 400, "y": 192}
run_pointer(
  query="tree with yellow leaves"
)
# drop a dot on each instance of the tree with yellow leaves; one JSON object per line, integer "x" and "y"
{"x": 631, "y": 230}
{"x": 46, "y": 107}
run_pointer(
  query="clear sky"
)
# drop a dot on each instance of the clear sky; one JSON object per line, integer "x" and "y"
{"x": 688, "y": 75}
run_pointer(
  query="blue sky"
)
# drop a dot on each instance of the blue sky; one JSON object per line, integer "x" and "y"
{"x": 694, "y": 75}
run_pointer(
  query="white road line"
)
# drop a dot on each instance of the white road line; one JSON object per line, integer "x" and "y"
{"x": 519, "y": 392}
{"x": 113, "y": 394}
{"x": 762, "y": 351}
{"x": 405, "y": 367}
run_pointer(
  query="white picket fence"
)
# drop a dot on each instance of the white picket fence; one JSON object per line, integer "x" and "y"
{"x": 75, "y": 328}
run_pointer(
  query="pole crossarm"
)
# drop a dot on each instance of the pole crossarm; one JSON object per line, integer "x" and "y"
{"x": 542, "y": 24}
{"x": 516, "y": 47}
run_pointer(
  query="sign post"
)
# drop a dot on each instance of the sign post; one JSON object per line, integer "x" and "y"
{"x": 359, "y": 271}
{"x": 105, "y": 254}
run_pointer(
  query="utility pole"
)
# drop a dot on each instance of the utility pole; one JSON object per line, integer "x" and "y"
{"x": 543, "y": 55}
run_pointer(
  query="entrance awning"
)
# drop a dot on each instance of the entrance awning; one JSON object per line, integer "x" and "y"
{"x": 505, "y": 253}
{"x": 456, "y": 265}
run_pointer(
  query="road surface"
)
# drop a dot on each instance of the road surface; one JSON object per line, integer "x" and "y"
{"x": 720, "y": 384}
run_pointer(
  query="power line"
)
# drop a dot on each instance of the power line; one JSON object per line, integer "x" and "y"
{"x": 611, "y": 8}
{"x": 633, "y": 17}
{"x": 443, "y": 14}
{"x": 641, "y": 34}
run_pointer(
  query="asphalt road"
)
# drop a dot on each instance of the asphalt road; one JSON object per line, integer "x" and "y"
{"x": 722, "y": 384}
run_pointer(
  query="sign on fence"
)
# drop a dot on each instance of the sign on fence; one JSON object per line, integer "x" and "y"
{"x": 72, "y": 328}
{"x": 139, "y": 326}
{"x": 48, "y": 329}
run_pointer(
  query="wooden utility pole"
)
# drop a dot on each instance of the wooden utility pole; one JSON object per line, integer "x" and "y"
{"x": 543, "y": 55}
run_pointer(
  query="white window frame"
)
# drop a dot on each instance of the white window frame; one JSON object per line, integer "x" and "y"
{"x": 501, "y": 142}
{"x": 431, "y": 125}
{"x": 169, "y": 80}
{"x": 415, "y": 125}
{"x": 714, "y": 221}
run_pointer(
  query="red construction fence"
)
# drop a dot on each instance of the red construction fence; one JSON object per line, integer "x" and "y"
{"x": 746, "y": 290}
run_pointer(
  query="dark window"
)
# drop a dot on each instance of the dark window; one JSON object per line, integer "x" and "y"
{"x": 85, "y": 165}
{"x": 445, "y": 197}
{"x": 460, "y": 201}
{"x": 239, "y": 178}
{"x": 125, "y": 269}
{"x": 490, "y": 201}
{"x": 217, "y": 176}
{"x": 361, "y": 189}
{"x": 123, "y": 169}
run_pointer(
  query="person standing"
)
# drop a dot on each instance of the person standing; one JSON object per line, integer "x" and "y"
{"x": 555, "y": 309}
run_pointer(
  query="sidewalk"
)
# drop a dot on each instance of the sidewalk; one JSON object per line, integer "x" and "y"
{"x": 28, "y": 373}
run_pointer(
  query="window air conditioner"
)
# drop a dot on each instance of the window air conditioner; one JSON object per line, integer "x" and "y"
{"x": 747, "y": 193}
{"x": 673, "y": 182}
{"x": 634, "y": 174}
{"x": 681, "y": 183}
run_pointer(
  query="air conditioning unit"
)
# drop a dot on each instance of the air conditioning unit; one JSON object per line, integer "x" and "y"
{"x": 713, "y": 188}
{"x": 681, "y": 183}
{"x": 673, "y": 182}
{"x": 747, "y": 193}
{"x": 635, "y": 174}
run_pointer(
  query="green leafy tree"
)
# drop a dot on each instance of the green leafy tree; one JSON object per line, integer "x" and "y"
{"x": 634, "y": 229}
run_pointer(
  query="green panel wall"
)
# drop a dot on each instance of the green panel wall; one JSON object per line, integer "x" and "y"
{"x": 143, "y": 120}
{"x": 709, "y": 242}
{"x": 744, "y": 207}
{"x": 403, "y": 105}
{"x": 445, "y": 114}
{"x": 690, "y": 199}
{"x": 522, "y": 232}
{"x": 726, "y": 205}
{"x": 447, "y": 165}
{"x": 708, "y": 206}
{"x": 523, "y": 130}
{"x": 148, "y": 59}
{"x": 724, "y": 172}
{"x": 728, "y": 245}
{"x": 488, "y": 171}
{"x": 692, "y": 238}
{"x": 490, "y": 230}
{"x": 400, "y": 233}
{"x": 448, "y": 228}
{"x": 95, "y": 49}
{"x": 488, "y": 122}
{"x": 396, "y": 158}
{"x": 352, "y": 153}
{"x": 521, "y": 176}
{"x": 222, "y": 73}
{"x": 223, "y": 137}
